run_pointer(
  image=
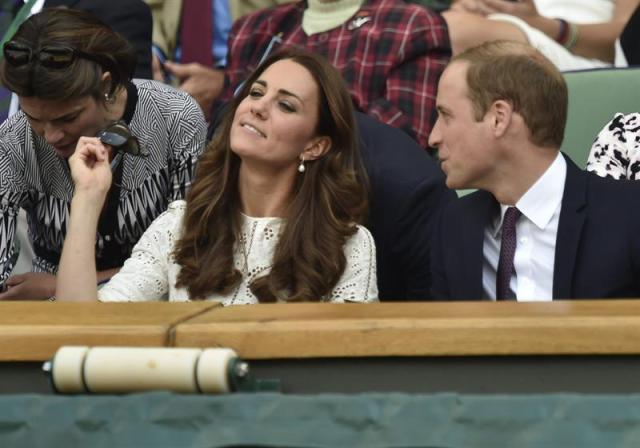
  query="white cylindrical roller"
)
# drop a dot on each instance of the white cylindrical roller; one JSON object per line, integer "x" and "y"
{"x": 66, "y": 369}
{"x": 124, "y": 369}
{"x": 212, "y": 372}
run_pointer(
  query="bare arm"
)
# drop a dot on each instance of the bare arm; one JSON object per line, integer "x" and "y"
{"x": 595, "y": 41}
{"x": 77, "y": 276}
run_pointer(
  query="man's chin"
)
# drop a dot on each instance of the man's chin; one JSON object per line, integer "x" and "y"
{"x": 452, "y": 183}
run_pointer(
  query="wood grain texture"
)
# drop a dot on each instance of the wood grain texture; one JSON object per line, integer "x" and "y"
{"x": 33, "y": 331}
{"x": 418, "y": 329}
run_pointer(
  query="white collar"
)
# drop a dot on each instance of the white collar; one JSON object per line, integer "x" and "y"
{"x": 541, "y": 200}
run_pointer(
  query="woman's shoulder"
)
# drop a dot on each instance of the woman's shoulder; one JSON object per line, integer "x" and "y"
{"x": 361, "y": 238}
{"x": 171, "y": 217}
{"x": 628, "y": 123}
{"x": 14, "y": 127}
{"x": 17, "y": 140}
{"x": 165, "y": 229}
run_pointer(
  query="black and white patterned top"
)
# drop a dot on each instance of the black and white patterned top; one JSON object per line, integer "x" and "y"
{"x": 616, "y": 151}
{"x": 170, "y": 128}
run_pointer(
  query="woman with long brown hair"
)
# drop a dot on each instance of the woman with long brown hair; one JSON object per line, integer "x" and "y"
{"x": 271, "y": 215}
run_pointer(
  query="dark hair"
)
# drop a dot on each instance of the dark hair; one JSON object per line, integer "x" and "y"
{"x": 77, "y": 30}
{"x": 521, "y": 75}
{"x": 328, "y": 199}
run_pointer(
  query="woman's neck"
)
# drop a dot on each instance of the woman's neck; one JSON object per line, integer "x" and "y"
{"x": 332, "y": 5}
{"x": 263, "y": 193}
{"x": 116, "y": 107}
{"x": 324, "y": 15}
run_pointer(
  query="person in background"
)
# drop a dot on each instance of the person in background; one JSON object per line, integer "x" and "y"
{"x": 616, "y": 150}
{"x": 390, "y": 53}
{"x": 573, "y": 35}
{"x": 539, "y": 228}
{"x": 72, "y": 75}
{"x": 190, "y": 46}
{"x": 273, "y": 212}
{"x": 407, "y": 195}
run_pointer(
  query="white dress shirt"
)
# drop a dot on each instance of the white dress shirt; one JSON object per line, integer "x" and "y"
{"x": 536, "y": 232}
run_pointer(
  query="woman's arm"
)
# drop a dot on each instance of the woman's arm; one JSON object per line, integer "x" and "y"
{"x": 77, "y": 277}
{"x": 359, "y": 282}
{"x": 594, "y": 41}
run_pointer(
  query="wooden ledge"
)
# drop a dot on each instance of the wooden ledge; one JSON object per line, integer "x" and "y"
{"x": 419, "y": 329}
{"x": 33, "y": 331}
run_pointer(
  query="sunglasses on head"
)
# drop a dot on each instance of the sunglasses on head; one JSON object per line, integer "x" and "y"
{"x": 18, "y": 54}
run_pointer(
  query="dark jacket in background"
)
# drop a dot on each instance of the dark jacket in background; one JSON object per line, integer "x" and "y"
{"x": 131, "y": 18}
{"x": 407, "y": 193}
{"x": 630, "y": 39}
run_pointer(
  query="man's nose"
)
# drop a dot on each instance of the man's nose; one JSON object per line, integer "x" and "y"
{"x": 435, "y": 138}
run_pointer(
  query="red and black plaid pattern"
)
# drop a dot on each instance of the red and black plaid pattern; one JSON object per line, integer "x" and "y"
{"x": 391, "y": 55}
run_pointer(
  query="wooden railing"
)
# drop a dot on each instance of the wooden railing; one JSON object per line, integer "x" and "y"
{"x": 33, "y": 331}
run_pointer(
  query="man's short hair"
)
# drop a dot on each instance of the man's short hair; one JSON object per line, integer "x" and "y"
{"x": 520, "y": 74}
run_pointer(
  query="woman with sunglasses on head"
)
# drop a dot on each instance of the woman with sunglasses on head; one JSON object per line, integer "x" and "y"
{"x": 72, "y": 75}
{"x": 272, "y": 212}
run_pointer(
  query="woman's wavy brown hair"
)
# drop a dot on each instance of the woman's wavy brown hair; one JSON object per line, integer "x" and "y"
{"x": 327, "y": 201}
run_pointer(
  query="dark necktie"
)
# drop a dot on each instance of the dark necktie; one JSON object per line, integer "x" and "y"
{"x": 196, "y": 32}
{"x": 507, "y": 252}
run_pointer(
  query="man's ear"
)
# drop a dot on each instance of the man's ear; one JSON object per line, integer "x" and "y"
{"x": 318, "y": 147}
{"x": 501, "y": 117}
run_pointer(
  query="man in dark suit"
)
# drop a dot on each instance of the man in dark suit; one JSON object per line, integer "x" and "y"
{"x": 539, "y": 228}
{"x": 407, "y": 194}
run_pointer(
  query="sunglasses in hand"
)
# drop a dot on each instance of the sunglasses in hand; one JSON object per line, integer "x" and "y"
{"x": 118, "y": 135}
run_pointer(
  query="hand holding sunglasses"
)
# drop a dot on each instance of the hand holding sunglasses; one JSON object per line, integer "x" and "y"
{"x": 118, "y": 135}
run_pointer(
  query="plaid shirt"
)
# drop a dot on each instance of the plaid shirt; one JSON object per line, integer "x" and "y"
{"x": 391, "y": 55}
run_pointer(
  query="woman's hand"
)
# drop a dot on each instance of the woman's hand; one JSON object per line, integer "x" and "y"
{"x": 90, "y": 168}
{"x": 29, "y": 286}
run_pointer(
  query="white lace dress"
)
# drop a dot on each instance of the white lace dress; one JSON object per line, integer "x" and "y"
{"x": 151, "y": 272}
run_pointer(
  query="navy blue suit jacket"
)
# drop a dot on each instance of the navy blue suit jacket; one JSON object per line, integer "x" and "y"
{"x": 597, "y": 251}
{"x": 408, "y": 192}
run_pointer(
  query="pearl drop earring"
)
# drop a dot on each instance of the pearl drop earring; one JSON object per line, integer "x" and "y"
{"x": 301, "y": 167}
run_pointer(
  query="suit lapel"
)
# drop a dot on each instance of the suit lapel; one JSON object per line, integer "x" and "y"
{"x": 570, "y": 225}
{"x": 481, "y": 209}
